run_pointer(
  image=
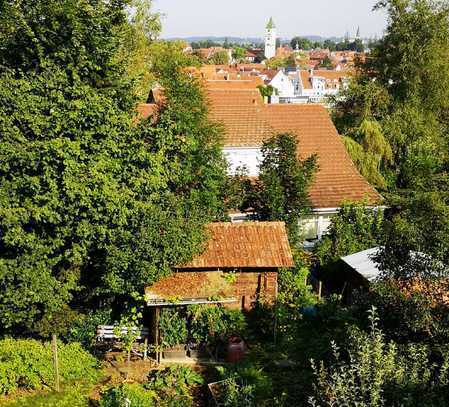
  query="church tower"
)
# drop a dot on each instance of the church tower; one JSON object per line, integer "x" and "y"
{"x": 270, "y": 39}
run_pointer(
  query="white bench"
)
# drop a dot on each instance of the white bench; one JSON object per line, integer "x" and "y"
{"x": 107, "y": 333}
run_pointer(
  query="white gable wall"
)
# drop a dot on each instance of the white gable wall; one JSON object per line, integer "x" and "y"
{"x": 283, "y": 84}
{"x": 249, "y": 157}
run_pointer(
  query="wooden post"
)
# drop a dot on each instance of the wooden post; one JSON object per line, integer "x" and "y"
{"x": 145, "y": 350}
{"x": 320, "y": 287}
{"x": 158, "y": 352}
{"x": 275, "y": 325}
{"x": 54, "y": 349}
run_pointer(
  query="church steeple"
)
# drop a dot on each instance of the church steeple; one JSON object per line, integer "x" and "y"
{"x": 270, "y": 39}
{"x": 270, "y": 24}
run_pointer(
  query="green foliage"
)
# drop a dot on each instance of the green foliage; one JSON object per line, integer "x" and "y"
{"x": 403, "y": 86}
{"x": 134, "y": 394}
{"x": 244, "y": 385}
{"x": 136, "y": 50}
{"x": 416, "y": 237}
{"x": 219, "y": 58}
{"x": 238, "y": 53}
{"x": 379, "y": 373}
{"x": 173, "y": 327}
{"x": 301, "y": 43}
{"x": 84, "y": 329}
{"x": 76, "y": 395}
{"x": 185, "y": 376}
{"x": 294, "y": 292}
{"x": 353, "y": 229}
{"x": 91, "y": 202}
{"x": 281, "y": 192}
{"x": 170, "y": 387}
{"x": 413, "y": 311}
{"x": 28, "y": 364}
{"x": 211, "y": 323}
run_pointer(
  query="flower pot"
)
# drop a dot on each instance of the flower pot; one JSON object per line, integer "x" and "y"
{"x": 236, "y": 350}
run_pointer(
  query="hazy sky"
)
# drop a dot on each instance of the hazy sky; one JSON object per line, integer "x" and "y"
{"x": 247, "y": 18}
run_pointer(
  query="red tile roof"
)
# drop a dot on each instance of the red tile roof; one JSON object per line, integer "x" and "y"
{"x": 244, "y": 245}
{"x": 248, "y": 122}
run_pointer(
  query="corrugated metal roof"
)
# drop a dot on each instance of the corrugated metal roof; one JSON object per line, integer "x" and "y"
{"x": 362, "y": 263}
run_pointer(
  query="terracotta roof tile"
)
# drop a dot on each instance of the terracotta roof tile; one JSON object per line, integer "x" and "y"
{"x": 248, "y": 122}
{"x": 244, "y": 245}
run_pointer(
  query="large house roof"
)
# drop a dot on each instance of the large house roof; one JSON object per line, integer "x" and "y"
{"x": 244, "y": 245}
{"x": 248, "y": 122}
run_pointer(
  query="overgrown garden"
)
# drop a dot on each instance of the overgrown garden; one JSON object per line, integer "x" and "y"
{"x": 96, "y": 203}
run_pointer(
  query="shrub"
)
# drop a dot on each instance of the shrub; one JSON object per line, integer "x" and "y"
{"x": 136, "y": 395}
{"x": 70, "y": 396}
{"x": 170, "y": 387}
{"x": 173, "y": 327}
{"x": 27, "y": 364}
{"x": 209, "y": 323}
{"x": 173, "y": 385}
{"x": 85, "y": 329}
{"x": 245, "y": 384}
{"x": 410, "y": 311}
{"x": 378, "y": 373}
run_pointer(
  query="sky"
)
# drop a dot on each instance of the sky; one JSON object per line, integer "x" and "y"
{"x": 247, "y": 18}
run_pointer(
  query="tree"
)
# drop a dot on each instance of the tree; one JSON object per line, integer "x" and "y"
{"x": 219, "y": 58}
{"x": 326, "y": 63}
{"x": 353, "y": 229}
{"x": 282, "y": 190}
{"x": 92, "y": 202}
{"x": 405, "y": 82}
{"x": 239, "y": 53}
{"x": 301, "y": 43}
{"x": 416, "y": 237}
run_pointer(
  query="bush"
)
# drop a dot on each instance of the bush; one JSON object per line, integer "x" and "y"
{"x": 173, "y": 385}
{"x": 209, "y": 323}
{"x": 246, "y": 385}
{"x": 173, "y": 327}
{"x": 136, "y": 394}
{"x": 410, "y": 311}
{"x": 378, "y": 373}
{"x": 84, "y": 329}
{"x": 170, "y": 387}
{"x": 27, "y": 364}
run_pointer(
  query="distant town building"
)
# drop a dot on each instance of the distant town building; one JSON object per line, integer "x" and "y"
{"x": 308, "y": 86}
{"x": 270, "y": 39}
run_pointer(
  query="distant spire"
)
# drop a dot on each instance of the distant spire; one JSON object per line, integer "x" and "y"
{"x": 270, "y": 24}
{"x": 357, "y": 36}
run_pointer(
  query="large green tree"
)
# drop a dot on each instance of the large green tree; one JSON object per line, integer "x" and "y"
{"x": 404, "y": 87}
{"x": 93, "y": 204}
{"x": 281, "y": 193}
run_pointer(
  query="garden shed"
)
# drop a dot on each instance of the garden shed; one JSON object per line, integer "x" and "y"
{"x": 240, "y": 263}
{"x": 238, "y": 267}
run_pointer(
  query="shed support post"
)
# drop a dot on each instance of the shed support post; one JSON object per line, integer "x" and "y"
{"x": 157, "y": 334}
